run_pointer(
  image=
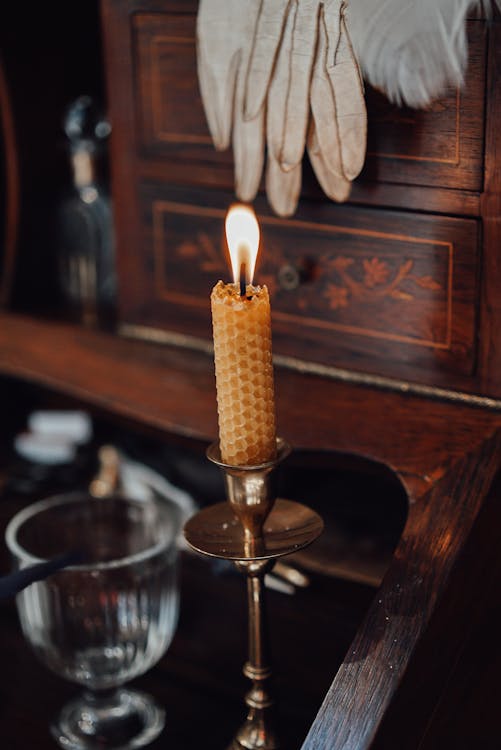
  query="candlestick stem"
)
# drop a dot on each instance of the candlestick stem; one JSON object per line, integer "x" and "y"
{"x": 253, "y": 529}
{"x": 258, "y": 730}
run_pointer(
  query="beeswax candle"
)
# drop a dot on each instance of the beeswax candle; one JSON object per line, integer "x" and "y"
{"x": 242, "y": 352}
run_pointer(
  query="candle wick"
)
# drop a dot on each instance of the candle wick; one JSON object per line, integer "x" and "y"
{"x": 243, "y": 285}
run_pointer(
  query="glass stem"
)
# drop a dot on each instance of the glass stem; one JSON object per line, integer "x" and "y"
{"x": 101, "y": 698}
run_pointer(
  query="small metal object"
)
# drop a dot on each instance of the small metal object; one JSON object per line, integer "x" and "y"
{"x": 106, "y": 482}
{"x": 253, "y": 529}
{"x": 290, "y": 276}
{"x": 291, "y": 575}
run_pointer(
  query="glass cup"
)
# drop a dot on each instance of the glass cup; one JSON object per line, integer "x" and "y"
{"x": 107, "y": 620}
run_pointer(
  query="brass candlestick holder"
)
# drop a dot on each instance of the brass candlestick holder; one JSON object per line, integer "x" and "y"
{"x": 252, "y": 529}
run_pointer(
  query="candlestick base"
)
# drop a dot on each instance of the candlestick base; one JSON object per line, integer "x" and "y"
{"x": 252, "y": 529}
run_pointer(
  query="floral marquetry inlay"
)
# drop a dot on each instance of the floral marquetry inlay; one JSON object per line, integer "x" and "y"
{"x": 378, "y": 281}
{"x": 393, "y": 284}
{"x": 204, "y": 251}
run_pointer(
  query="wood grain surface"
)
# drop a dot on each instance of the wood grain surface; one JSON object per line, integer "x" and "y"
{"x": 408, "y": 601}
{"x": 173, "y": 389}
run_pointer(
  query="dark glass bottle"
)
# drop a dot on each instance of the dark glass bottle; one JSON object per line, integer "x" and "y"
{"x": 87, "y": 258}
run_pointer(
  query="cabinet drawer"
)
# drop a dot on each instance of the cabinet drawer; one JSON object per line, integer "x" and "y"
{"x": 170, "y": 115}
{"x": 441, "y": 146}
{"x": 438, "y": 147}
{"x": 375, "y": 287}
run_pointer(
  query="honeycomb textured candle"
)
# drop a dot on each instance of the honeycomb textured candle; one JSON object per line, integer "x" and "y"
{"x": 244, "y": 374}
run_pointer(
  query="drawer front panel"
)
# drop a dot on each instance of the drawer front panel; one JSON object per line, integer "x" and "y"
{"x": 438, "y": 147}
{"x": 170, "y": 114}
{"x": 348, "y": 286}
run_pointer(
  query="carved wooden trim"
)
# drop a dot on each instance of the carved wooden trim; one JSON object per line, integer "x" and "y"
{"x": 490, "y": 305}
{"x": 330, "y": 372}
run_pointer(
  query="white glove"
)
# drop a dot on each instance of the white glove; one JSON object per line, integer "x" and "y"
{"x": 282, "y": 188}
{"x": 225, "y": 35}
{"x": 338, "y": 134}
{"x": 337, "y": 103}
{"x": 335, "y": 186}
{"x": 225, "y": 29}
{"x": 302, "y": 57}
{"x": 291, "y": 109}
{"x": 255, "y": 63}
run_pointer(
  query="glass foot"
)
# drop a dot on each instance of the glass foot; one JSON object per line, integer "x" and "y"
{"x": 119, "y": 720}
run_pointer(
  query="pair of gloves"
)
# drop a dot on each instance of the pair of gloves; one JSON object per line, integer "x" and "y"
{"x": 282, "y": 74}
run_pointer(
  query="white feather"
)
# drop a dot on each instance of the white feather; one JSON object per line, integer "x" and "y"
{"x": 413, "y": 50}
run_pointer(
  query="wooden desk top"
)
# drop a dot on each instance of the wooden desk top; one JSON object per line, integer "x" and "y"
{"x": 447, "y": 456}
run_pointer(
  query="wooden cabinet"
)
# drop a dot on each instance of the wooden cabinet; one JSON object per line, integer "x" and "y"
{"x": 389, "y": 293}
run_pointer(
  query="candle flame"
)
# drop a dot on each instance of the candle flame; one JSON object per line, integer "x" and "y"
{"x": 242, "y": 235}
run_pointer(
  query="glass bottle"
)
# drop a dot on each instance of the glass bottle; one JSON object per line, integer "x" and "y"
{"x": 87, "y": 259}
